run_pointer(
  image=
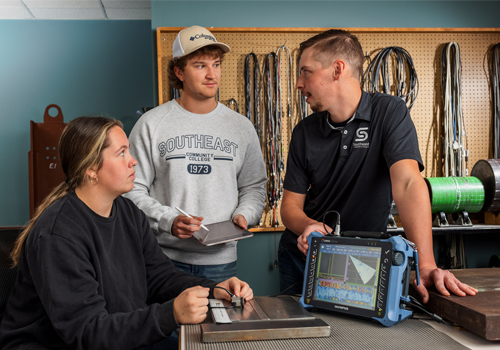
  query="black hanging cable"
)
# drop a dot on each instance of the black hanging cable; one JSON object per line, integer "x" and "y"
{"x": 267, "y": 100}
{"x": 272, "y": 114}
{"x": 278, "y": 133}
{"x": 405, "y": 82}
{"x": 495, "y": 94}
{"x": 252, "y": 109}
{"x": 232, "y": 101}
{"x": 365, "y": 74}
{"x": 271, "y": 135}
{"x": 270, "y": 154}
{"x": 174, "y": 93}
{"x": 279, "y": 165}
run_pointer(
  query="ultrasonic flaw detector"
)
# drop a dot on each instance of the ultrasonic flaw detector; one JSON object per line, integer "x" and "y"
{"x": 363, "y": 277}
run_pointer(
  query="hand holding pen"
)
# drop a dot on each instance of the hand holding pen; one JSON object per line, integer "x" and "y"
{"x": 184, "y": 226}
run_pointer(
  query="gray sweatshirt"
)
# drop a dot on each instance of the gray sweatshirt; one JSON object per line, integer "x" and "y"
{"x": 209, "y": 165}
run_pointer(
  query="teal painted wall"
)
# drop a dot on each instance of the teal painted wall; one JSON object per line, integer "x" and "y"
{"x": 256, "y": 255}
{"x": 255, "y": 264}
{"x": 85, "y": 67}
{"x": 325, "y": 13}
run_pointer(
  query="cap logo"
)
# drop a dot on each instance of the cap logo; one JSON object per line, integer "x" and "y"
{"x": 203, "y": 36}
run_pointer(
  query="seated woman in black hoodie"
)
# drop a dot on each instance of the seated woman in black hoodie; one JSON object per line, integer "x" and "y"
{"x": 90, "y": 272}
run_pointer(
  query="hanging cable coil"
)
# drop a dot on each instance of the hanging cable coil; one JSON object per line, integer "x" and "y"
{"x": 495, "y": 94}
{"x": 289, "y": 76}
{"x": 252, "y": 109}
{"x": 272, "y": 137}
{"x": 377, "y": 77}
{"x": 456, "y": 153}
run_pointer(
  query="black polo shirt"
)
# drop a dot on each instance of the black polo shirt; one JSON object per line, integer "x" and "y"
{"x": 347, "y": 169}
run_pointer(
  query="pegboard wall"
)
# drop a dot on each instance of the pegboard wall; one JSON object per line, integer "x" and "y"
{"x": 424, "y": 46}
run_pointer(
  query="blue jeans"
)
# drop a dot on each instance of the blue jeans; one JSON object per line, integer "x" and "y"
{"x": 216, "y": 273}
{"x": 291, "y": 271}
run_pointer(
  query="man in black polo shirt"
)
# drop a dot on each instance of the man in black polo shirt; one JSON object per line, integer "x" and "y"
{"x": 353, "y": 155}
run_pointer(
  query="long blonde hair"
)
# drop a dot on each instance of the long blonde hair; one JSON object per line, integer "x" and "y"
{"x": 80, "y": 148}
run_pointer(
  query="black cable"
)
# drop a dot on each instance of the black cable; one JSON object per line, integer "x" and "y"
{"x": 252, "y": 109}
{"x": 233, "y": 101}
{"x": 174, "y": 93}
{"x": 283, "y": 291}
{"x": 379, "y": 70}
{"x": 273, "y": 133}
{"x": 417, "y": 305}
{"x": 228, "y": 292}
{"x": 267, "y": 83}
{"x": 222, "y": 307}
{"x": 337, "y": 224}
{"x": 494, "y": 65}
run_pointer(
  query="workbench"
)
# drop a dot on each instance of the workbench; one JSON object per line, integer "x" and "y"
{"x": 479, "y": 314}
{"x": 346, "y": 333}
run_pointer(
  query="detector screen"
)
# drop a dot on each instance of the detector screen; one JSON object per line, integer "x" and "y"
{"x": 348, "y": 275}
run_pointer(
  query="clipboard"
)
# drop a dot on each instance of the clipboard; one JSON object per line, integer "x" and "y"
{"x": 221, "y": 232}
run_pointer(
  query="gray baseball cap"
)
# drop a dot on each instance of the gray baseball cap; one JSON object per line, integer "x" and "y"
{"x": 193, "y": 38}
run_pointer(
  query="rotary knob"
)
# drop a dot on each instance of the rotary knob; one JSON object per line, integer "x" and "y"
{"x": 397, "y": 258}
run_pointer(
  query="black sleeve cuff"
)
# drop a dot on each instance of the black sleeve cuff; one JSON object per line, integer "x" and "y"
{"x": 166, "y": 318}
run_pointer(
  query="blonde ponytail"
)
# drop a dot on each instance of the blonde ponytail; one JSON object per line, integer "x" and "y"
{"x": 56, "y": 194}
{"x": 80, "y": 148}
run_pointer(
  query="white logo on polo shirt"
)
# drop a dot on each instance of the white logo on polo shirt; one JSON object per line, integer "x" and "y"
{"x": 361, "y": 134}
{"x": 361, "y": 138}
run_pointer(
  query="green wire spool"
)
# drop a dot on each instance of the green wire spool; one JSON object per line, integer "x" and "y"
{"x": 454, "y": 194}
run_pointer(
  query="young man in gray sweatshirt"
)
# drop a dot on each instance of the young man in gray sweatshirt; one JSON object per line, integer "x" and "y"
{"x": 196, "y": 154}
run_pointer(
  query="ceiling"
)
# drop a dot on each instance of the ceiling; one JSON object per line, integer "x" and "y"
{"x": 75, "y": 9}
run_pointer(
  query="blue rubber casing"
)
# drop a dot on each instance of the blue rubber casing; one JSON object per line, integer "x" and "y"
{"x": 396, "y": 287}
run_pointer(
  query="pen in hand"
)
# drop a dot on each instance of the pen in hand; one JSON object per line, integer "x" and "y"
{"x": 189, "y": 216}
